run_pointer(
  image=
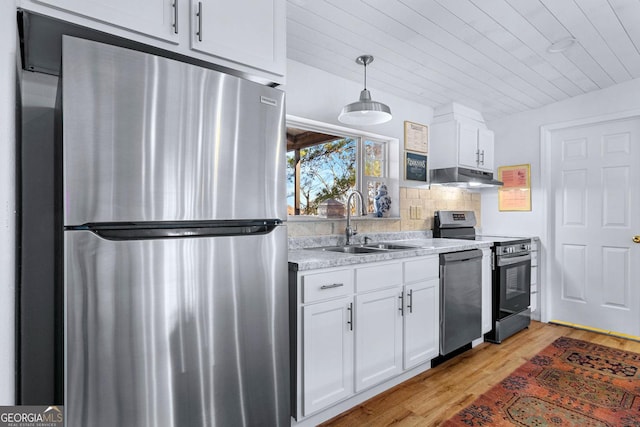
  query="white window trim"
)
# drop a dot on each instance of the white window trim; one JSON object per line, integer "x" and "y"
{"x": 392, "y": 164}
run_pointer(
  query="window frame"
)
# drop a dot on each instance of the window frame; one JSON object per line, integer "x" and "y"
{"x": 391, "y": 174}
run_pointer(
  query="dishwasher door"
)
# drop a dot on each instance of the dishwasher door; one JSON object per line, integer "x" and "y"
{"x": 461, "y": 299}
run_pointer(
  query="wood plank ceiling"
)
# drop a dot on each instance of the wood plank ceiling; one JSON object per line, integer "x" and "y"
{"x": 490, "y": 55}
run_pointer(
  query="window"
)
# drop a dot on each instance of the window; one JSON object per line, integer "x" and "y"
{"x": 329, "y": 166}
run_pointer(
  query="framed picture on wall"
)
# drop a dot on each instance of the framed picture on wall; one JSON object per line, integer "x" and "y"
{"x": 415, "y": 167}
{"x": 416, "y": 137}
{"x": 515, "y": 194}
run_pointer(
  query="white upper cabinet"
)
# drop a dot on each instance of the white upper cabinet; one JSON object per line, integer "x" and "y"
{"x": 459, "y": 137}
{"x": 468, "y": 153}
{"x": 155, "y": 18}
{"x": 244, "y": 31}
{"x": 248, "y": 36}
{"x": 485, "y": 149}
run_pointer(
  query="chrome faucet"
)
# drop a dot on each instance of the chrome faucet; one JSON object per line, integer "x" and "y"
{"x": 352, "y": 231}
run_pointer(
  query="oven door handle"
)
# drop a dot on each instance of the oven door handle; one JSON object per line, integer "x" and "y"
{"x": 502, "y": 261}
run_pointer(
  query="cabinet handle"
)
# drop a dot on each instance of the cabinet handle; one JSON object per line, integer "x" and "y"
{"x": 175, "y": 16}
{"x": 401, "y": 304}
{"x": 333, "y": 285}
{"x": 410, "y": 303}
{"x": 350, "y": 321}
{"x": 482, "y": 160}
{"x": 477, "y": 156}
{"x": 199, "y": 15}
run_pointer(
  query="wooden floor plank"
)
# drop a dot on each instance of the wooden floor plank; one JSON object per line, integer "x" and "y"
{"x": 434, "y": 396}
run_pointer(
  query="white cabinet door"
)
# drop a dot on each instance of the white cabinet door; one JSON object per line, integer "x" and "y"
{"x": 327, "y": 346}
{"x": 421, "y": 322}
{"x": 487, "y": 296}
{"x": 249, "y": 32}
{"x": 378, "y": 327}
{"x": 485, "y": 148}
{"x": 155, "y": 18}
{"x": 468, "y": 153}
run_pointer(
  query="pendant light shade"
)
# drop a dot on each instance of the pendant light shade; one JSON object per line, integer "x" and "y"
{"x": 365, "y": 111}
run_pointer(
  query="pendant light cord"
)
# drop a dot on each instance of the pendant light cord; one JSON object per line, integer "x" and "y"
{"x": 365, "y": 74}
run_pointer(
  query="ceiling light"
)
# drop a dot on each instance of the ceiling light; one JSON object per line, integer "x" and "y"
{"x": 561, "y": 45}
{"x": 365, "y": 111}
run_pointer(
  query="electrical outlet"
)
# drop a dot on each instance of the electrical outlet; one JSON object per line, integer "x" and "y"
{"x": 415, "y": 212}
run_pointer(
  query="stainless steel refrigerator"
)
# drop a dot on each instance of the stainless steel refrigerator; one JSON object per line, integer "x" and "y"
{"x": 175, "y": 251}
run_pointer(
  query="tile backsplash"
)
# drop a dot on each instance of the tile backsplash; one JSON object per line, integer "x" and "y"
{"x": 416, "y": 213}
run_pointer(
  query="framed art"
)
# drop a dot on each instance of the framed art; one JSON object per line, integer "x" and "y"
{"x": 515, "y": 194}
{"x": 416, "y": 137}
{"x": 415, "y": 167}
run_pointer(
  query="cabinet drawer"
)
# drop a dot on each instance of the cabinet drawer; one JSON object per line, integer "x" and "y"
{"x": 378, "y": 276}
{"x": 328, "y": 284}
{"x": 421, "y": 269}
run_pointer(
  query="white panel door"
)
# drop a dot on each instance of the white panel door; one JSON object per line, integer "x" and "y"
{"x": 327, "y": 352}
{"x": 595, "y": 262}
{"x": 378, "y": 328}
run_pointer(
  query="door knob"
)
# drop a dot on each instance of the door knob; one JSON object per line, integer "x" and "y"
{"x": 636, "y": 238}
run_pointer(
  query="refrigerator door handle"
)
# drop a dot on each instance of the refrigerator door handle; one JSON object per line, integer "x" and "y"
{"x": 186, "y": 229}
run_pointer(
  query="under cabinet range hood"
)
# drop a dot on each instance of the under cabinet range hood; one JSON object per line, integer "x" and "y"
{"x": 463, "y": 178}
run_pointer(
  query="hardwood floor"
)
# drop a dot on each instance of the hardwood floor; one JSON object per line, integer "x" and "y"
{"x": 432, "y": 397}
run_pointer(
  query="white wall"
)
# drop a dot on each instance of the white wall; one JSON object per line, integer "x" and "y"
{"x": 317, "y": 95}
{"x": 7, "y": 199}
{"x": 517, "y": 141}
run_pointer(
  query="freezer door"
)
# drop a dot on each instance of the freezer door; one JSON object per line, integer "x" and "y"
{"x": 151, "y": 139}
{"x": 178, "y": 332}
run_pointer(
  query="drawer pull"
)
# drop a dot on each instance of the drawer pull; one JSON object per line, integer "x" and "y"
{"x": 350, "y": 321}
{"x": 199, "y": 15}
{"x": 333, "y": 285}
{"x": 175, "y": 16}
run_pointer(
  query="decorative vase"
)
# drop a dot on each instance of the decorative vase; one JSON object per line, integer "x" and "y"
{"x": 382, "y": 202}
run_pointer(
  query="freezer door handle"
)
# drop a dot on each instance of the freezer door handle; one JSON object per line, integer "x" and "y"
{"x": 183, "y": 229}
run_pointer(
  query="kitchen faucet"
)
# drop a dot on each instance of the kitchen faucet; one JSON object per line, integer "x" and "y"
{"x": 352, "y": 231}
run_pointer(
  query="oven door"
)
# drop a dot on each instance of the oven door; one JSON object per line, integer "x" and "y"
{"x": 513, "y": 281}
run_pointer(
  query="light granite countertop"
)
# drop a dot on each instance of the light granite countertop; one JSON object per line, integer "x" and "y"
{"x": 306, "y": 258}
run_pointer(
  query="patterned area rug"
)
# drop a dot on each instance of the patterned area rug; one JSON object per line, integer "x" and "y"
{"x": 569, "y": 383}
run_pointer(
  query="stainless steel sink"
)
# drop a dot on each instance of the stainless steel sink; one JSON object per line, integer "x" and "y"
{"x": 365, "y": 249}
{"x": 350, "y": 249}
{"x": 389, "y": 246}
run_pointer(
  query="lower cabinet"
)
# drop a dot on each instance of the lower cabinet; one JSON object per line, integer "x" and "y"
{"x": 421, "y": 314}
{"x": 328, "y": 353}
{"x": 360, "y": 326}
{"x": 378, "y": 336}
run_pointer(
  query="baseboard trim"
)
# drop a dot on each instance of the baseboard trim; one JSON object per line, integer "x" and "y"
{"x": 597, "y": 330}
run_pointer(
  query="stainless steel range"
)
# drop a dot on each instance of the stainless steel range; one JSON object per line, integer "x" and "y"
{"x": 511, "y": 265}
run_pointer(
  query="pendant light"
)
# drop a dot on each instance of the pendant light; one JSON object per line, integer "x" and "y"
{"x": 365, "y": 111}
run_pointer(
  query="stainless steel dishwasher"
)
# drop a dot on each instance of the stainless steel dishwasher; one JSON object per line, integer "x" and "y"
{"x": 461, "y": 299}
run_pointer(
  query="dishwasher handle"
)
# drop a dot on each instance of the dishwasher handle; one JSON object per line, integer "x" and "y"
{"x": 461, "y": 256}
